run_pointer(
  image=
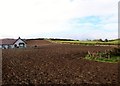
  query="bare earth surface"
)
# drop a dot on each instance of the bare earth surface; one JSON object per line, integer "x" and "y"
{"x": 33, "y": 43}
{"x": 56, "y": 64}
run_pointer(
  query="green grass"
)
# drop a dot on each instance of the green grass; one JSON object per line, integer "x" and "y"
{"x": 114, "y": 42}
{"x": 113, "y": 59}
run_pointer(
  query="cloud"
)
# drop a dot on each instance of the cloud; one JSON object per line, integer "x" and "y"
{"x": 96, "y": 26}
{"x": 88, "y": 19}
{"x": 29, "y": 18}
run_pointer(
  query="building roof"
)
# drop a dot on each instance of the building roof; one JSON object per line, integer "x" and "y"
{"x": 8, "y": 41}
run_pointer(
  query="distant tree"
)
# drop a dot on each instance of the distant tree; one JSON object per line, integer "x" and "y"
{"x": 88, "y": 40}
{"x": 106, "y": 40}
{"x": 100, "y": 40}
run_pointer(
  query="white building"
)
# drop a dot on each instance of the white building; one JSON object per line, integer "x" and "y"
{"x": 12, "y": 43}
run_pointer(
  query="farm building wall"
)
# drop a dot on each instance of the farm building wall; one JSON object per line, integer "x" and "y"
{"x": 6, "y": 46}
{"x": 12, "y": 43}
{"x": 0, "y": 46}
{"x": 20, "y": 43}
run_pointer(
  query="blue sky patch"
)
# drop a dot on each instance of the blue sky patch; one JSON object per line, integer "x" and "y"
{"x": 89, "y": 19}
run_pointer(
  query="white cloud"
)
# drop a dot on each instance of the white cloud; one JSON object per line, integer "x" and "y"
{"x": 29, "y": 17}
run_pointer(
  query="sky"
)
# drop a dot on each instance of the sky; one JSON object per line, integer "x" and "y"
{"x": 74, "y": 19}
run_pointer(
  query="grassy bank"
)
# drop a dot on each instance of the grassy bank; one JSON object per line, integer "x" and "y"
{"x": 111, "y": 56}
{"x": 113, "y": 42}
{"x": 113, "y": 59}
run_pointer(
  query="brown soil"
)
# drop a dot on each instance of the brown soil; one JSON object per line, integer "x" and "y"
{"x": 56, "y": 64}
{"x": 33, "y": 43}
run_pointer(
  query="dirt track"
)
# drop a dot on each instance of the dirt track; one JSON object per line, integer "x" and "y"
{"x": 56, "y": 64}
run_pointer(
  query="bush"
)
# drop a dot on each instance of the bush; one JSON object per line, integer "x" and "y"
{"x": 115, "y": 52}
{"x": 106, "y": 40}
{"x": 107, "y": 56}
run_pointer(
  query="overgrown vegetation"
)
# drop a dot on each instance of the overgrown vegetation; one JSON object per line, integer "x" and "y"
{"x": 106, "y": 56}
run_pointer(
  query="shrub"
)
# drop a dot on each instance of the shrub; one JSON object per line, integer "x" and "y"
{"x": 106, "y": 56}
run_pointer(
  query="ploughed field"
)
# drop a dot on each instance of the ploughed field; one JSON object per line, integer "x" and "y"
{"x": 33, "y": 43}
{"x": 56, "y": 64}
